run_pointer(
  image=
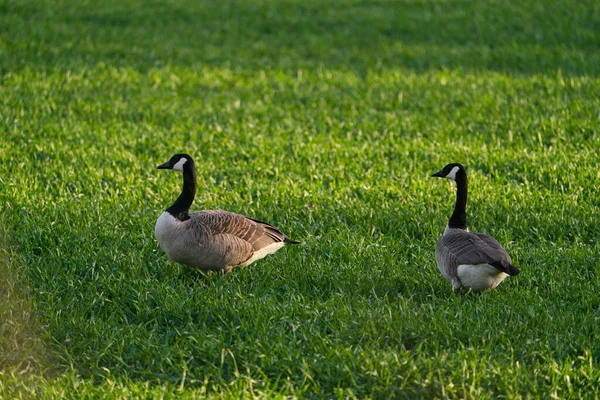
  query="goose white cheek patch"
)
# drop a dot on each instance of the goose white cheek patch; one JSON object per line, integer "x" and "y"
{"x": 179, "y": 165}
{"x": 452, "y": 174}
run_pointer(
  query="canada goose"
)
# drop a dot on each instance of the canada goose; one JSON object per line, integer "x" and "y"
{"x": 211, "y": 239}
{"x": 472, "y": 260}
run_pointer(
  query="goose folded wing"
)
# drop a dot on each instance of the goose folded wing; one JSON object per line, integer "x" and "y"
{"x": 476, "y": 248}
{"x": 256, "y": 233}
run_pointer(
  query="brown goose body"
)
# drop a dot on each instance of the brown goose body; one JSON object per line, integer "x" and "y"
{"x": 212, "y": 239}
{"x": 475, "y": 261}
{"x": 217, "y": 240}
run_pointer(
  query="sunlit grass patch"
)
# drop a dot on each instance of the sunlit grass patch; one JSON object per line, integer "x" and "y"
{"x": 24, "y": 357}
{"x": 21, "y": 343}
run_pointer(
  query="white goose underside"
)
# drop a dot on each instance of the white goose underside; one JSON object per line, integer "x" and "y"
{"x": 480, "y": 276}
{"x": 262, "y": 253}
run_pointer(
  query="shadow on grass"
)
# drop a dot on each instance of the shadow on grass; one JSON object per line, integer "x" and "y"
{"x": 195, "y": 277}
{"x": 522, "y": 37}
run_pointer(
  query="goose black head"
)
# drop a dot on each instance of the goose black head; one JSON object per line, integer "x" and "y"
{"x": 178, "y": 162}
{"x": 451, "y": 171}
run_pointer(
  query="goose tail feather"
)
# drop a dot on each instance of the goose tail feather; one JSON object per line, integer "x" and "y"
{"x": 512, "y": 270}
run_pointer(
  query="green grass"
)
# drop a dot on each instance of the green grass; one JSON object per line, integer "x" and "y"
{"x": 325, "y": 119}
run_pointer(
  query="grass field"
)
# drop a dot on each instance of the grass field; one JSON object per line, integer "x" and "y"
{"x": 325, "y": 119}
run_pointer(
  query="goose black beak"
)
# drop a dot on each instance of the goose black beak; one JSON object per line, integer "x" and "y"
{"x": 164, "y": 166}
{"x": 439, "y": 174}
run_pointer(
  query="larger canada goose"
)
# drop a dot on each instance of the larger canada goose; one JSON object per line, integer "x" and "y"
{"x": 211, "y": 239}
{"x": 471, "y": 260}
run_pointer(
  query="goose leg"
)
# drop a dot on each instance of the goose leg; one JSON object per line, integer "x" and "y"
{"x": 456, "y": 284}
{"x": 226, "y": 270}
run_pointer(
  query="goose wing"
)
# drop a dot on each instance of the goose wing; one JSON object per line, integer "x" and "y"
{"x": 231, "y": 239}
{"x": 475, "y": 248}
{"x": 256, "y": 233}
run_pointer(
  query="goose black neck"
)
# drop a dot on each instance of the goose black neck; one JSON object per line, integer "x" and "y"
{"x": 458, "y": 220}
{"x": 180, "y": 208}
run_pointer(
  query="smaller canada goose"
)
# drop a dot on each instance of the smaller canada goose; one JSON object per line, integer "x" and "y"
{"x": 211, "y": 239}
{"x": 471, "y": 260}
